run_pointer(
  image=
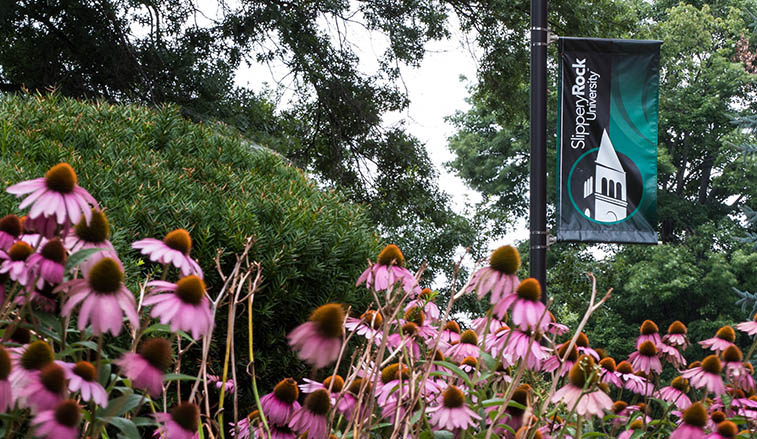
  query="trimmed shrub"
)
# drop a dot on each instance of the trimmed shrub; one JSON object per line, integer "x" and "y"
{"x": 153, "y": 171}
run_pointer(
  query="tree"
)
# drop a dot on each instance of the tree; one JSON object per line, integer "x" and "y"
{"x": 176, "y": 52}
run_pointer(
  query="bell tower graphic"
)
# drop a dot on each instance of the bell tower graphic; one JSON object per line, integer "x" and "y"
{"x": 605, "y": 192}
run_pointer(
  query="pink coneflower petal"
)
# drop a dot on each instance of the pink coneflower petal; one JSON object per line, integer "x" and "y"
{"x": 185, "y": 307}
{"x": 318, "y": 340}
{"x": 61, "y": 422}
{"x": 173, "y": 250}
{"x": 182, "y": 422}
{"x": 311, "y": 417}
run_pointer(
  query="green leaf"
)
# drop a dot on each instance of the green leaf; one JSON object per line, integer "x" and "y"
{"x": 459, "y": 372}
{"x": 120, "y": 405}
{"x": 127, "y": 427}
{"x": 82, "y": 255}
{"x": 178, "y": 377}
{"x": 443, "y": 434}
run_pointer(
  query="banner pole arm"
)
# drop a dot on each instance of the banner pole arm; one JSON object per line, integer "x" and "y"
{"x": 538, "y": 182}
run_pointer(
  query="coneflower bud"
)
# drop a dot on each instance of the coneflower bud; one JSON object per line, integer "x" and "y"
{"x": 37, "y": 355}
{"x": 601, "y": 352}
{"x": 286, "y": 391}
{"x": 573, "y": 356}
{"x": 329, "y": 320}
{"x": 453, "y": 397}
{"x": 391, "y": 255}
{"x": 695, "y": 415}
{"x": 191, "y": 289}
{"x": 179, "y": 240}
{"x": 469, "y": 361}
{"x": 469, "y": 337}
{"x": 677, "y": 328}
{"x": 187, "y": 415}
{"x": 505, "y": 259}
{"x": 409, "y": 329}
{"x": 98, "y": 229}
{"x": 648, "y": 327}
{"x": 726, "y": 333}
{"x": 338, "y": 383}
{"x": 529, "y": 289}
{"x": 357, "y": 383}
{"x": 61, "y": 178}
{"x": 318, "y": 402}
{"x": 636, "y": 425}
{"x": 426, "y": 294}
{"x": 157, "y": 352}
{"x": 11, "y": 225}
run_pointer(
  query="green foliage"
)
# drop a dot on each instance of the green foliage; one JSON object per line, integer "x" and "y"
{"x": 154, "y": 172}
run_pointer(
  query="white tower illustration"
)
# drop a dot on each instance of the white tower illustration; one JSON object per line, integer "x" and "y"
{"x": 607, "y": 188}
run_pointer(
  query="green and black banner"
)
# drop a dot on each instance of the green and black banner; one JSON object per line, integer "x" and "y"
{"x": 607, "y": 140}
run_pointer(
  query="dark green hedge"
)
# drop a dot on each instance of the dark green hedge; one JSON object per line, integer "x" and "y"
{"x": 154, "y": 171}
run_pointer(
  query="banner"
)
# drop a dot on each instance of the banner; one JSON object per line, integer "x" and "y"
{"x": 607, "y": 140}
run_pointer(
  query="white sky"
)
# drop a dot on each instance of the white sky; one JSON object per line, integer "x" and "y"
{"x": 435, "y": 91}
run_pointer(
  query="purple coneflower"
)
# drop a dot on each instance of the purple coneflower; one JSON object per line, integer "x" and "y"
{"x": 173, "y": 249}
{"x": 48, "y": 265}
{"x": 607, "y": 374}
{"x": 27, "y": 362}
{"x": 103, "y": 296}
{"x": 55, "y": 194}
{"x": 693, "y": 421}
{"x": 723, "y": 338}
{"x": 748, "y": 327}
{"x": 228, "y": 385}
{"x": 368, "y": 325}
{"x": 46, "y": 391}
{"x": 676, "y": 335}
{"x": 318, "y": 340}
{"x": 182, "y": 423}
{"x": 734, "y": 367}
{"x": 707, "y": 375}
{"x": 15, "y": 262}
{"x": 645, "y": 358}
{"x": 425, "y": 301}
{"x": 94, "y": 234}
{"x": 6, "y": 394}
{"x": 279, "y": 405}
{"x": 347, "y": 404}
{"x": 311, "y": 417}
{"x": 648, "y": 332}
{"x": 479, "y": 325}
{"x": 724, "y": 430}
{"x": 467, "y": 347}
{"x": 415, "y": 314}
{"x": 394, "y": 383}
{"x": 636, "y": 425}
{"x": 82, "y": 378}
{"x": 145, "y": 369}
{"x": 522, "y": 347}
{"x": 499, "y": 277}
{"x": 671, "y": 354}
{"x": 388, "y": 271}
{"x": 10, "y": 230}
{"x": 185, "y": 306}
{"x": 450, "y": 334}
{"x": 555, "y": 328}
{"x": 452, "y": 414}
{"x": 676, "y": 393}
{"x": 576, "y": 393}
{"x": 527, "y": 311}
{"x": 468, "y": 365}
{"x": 553, "y": 362}
{"x": 59, "y": 423}
{"x": 406, "y": 338}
